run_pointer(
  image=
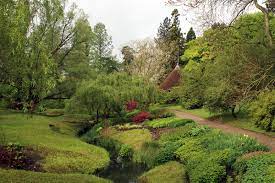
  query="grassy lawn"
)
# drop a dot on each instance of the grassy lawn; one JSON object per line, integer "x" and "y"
{"x": 241, "y": 122}
{"x": 172, "y": 172}
{"x": 134, "y": 138}
{"x": 63, "y": 152}
{"x": 16, "y": 176}
{"x": 271, "y": 170}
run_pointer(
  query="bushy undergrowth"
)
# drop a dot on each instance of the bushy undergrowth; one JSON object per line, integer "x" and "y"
{"x": 148, "y": 153}
{"x": 263, "y": 111}
{"x": 171, "y": 172}
{"x": 157, "y": 112}
{"x": 207, "y": 153}
{"x": 171, "y": 122}
{"x": 255, "y": 169}
{"x": 126, "y": 152}
{"x": 141, "y": 117}
{"x": 16, "y": 156}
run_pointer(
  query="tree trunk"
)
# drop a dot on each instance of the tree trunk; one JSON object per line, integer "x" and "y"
{"x": 97, "y": 116}
{"x": 233, "y": 111}
{"x": 266, "y": 19}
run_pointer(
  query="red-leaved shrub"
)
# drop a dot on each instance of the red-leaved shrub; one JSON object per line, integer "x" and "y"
{"x": 141, "y": 117}
{"x": 18, "y": 157}
{"x": 131, "y": 105}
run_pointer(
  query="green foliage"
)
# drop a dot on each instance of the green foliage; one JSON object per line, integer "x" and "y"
{"x": 222, "y": 69}
{"x": 108, "y": 94}
{"x": 101, "y": 50}
{"x": 126, "y": 152}
{"x": 160, "y": 113}
{"x": 172, "y": 172}
{"x": 255, "y": 169}
{"x": 191, "y": 35}
{"x": 262, "y": 110}
{"x": 19, "y": 176}
{"x": 170, "y": 39}
{"x": 198, "y": 131}
{"x": 62, "y": 151}
{"x": 166, "y": 153}
{"x": 171, "y": 122}
{"x": 208, "y": 171}
{"x": 135, "y": 138}
{"x": 93, "y": 134}
{"x": 148, "y": 153}
{"x": 207, "y": 153}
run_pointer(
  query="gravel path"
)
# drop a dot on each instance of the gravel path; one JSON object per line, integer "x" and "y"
{"x": 262, "y": 138}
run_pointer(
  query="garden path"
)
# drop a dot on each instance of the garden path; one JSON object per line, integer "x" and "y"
{"x": 262, "y": 138}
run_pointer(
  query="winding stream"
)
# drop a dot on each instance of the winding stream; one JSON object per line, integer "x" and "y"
{"x": 123, "y": 173}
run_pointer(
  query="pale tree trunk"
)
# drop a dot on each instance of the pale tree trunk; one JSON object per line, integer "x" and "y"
{"x": 266, "y": 18}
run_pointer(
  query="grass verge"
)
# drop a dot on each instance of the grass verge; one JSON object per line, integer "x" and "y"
{"x": 55, "y": 140}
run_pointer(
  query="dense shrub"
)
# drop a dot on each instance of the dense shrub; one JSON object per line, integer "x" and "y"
{"x": 148, "y": 153}
{"x": 198, "y": 131}
{"x": 108, "y": 94}
{"x": 160, "y": 113}
{"x": 207, "y": 153}
{"x": 166, "y": 153}
{"x": 170, "y": 97}
{"x": 131, "y": 114}
{"x": 169, "y": 122}
{"x": 18, "y": 157}
{"x": 255, "y": 169}
{"x": 238, "y": 144}
{"x": 178, "y": 133}
{"x": 141, "y": 117}
{"x": 93, "y": 134}
{"x": 126, "y": 152}
{"x": 53, "y": 104}
{"x": 263, "y": 110}
{"x": 131, "y": 105}
{"x": 111, "y": 145}
{"x": 208, "y": 171}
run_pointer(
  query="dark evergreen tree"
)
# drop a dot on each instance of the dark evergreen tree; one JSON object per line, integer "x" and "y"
{"x": 170, "y": 39}
{"x": 128, "y": 55}
{"x": 191, "y": 35}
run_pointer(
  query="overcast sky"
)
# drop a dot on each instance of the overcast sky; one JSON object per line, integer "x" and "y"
{"x": 128, "y": 20}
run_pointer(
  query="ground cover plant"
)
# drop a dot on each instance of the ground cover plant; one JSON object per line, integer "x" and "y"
{"x": 171, "y": 122}
{"x": 207, "y": 154}
{"x": 172, "y": 172}
{"x": 258, "y": 168}
{"x": 15, "y": 156}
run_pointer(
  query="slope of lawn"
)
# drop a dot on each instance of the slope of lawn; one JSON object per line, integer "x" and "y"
{"x": 55, "y": 140}
{"x": 16, "y": 176}
{"x": 135, "y": 138}
{"x": 172, "y": 172}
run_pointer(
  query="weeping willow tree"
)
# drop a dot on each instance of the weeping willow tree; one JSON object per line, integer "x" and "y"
{"x": 108, "y": 94}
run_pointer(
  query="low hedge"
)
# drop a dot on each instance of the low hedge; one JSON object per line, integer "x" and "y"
{"x": 171, "y": 122}
{"x": 255, "y": 169}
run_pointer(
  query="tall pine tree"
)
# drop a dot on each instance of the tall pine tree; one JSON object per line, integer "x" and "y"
{"x": 191, "y": 35}
{"x": 170, "y": 39}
